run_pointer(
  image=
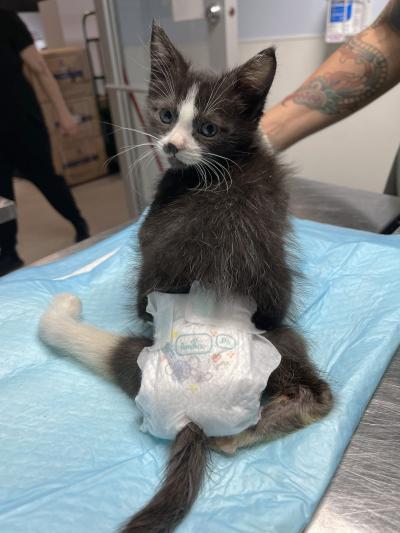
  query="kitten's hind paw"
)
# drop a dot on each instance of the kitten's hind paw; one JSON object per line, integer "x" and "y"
{"x": 230, "y": 445}
{"x": 225, "y": 445}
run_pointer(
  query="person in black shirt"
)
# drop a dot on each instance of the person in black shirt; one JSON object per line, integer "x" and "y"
{"x": 24, "y": 140}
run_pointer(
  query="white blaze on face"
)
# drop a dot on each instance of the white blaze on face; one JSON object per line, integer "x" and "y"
{"x": 189, "y": 152}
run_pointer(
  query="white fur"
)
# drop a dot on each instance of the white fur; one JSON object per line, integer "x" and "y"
{"x": 182, "y": 133}
{"x": 60, "y": 328}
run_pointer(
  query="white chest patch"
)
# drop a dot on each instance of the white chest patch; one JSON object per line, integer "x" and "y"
{"x": 189, "y": 151}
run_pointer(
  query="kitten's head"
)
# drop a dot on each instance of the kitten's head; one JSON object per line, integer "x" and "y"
{"x": 202, "y": 117}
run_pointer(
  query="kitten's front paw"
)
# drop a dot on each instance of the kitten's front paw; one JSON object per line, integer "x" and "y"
{"x": 66, "y": 304}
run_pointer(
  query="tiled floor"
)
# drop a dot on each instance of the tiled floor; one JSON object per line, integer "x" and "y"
{"x": 43, "y": 231}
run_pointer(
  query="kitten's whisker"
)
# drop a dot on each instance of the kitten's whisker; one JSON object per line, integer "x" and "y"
{"x": 216, "y": 96}
{"x": 131, "y": 167}
{"x": 219, "y": 95}
{"x": 222, "y": 173}
{"x": 126, "y": 149}
{"x": 158, "y": 61}
{"x": 210, "y": 98}
{"x": 199, "y": 165}
{"x": 137, "y": 145}
{"x": 202, "y": 176}
{"x": 203, "y": 170}
{"x": 214, "y": 171}
{"x": 158, "y": 85}
{"x": 134, "y": 60}
{"x": 158, "y": 91}
{"x": 138, "y": 160}
{"x": 225, "y": 169}
{"x": 132, "y": 129}
{"x": 147, "y": 163}
{"x": 215, "y": 168}
{"x": 223, "y": 157}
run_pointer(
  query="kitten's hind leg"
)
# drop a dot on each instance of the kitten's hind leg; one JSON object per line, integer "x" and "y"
{"x": 300, "y": 396}
{"x": 125, "y": 370}
{"x": 109, "y": 355}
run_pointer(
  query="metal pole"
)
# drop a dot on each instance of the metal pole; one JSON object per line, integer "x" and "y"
{"x": 110, "y": 41}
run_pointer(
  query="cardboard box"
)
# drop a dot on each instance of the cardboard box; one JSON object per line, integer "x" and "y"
{"x": 70, "y": 68}
{"x": 84, "y": 110}
{"x": 82, "y": 161}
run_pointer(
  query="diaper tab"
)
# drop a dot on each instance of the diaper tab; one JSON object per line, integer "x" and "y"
{"x": 166, "y": 309}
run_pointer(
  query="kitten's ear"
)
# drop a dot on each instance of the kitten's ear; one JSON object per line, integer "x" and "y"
{"x": 166, "y": 61}
{"x": 254, "y": 79}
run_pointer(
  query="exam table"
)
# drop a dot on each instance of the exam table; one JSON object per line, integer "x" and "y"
{"x": 364, "y": 495}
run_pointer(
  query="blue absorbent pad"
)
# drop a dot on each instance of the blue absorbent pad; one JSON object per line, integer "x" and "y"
{"x": 73, "y": 459}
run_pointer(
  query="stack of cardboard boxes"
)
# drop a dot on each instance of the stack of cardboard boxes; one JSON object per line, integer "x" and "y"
{"x": 82, "y": 157}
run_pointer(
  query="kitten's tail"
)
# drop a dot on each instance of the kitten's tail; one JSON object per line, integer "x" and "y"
{"x": 183, "y": 479}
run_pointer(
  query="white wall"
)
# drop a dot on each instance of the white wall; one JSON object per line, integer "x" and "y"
{"x": 67, "y": 16}
{"x": 267, "y": 18}
{"x": 358, "y": 151}
{"x": 71, "y": 12}
{"x": 284, "y": 18}
{"x": 34, "y": 24}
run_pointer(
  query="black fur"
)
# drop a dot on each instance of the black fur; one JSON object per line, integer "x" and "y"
{"x": 231, "y": 236}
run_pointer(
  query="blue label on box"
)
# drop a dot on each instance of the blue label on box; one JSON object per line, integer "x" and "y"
{"x": 341, "y": 11}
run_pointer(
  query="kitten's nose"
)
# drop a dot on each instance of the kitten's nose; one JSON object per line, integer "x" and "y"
{"x": 170, "y": 149}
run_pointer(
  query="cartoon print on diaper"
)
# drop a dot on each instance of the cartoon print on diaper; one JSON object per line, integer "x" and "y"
{"x": 225, "y": 344}
{"x": 222, "y": 359}
{"x": 225, "y": 341}
{"x": 195, "y": 357}
{"x": 186, "y": 368}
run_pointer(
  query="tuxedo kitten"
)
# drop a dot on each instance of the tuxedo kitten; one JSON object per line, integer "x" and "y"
{"x": 219, "y": 217}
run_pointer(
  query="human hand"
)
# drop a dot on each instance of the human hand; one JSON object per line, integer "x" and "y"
{"x": 68, "y": 125}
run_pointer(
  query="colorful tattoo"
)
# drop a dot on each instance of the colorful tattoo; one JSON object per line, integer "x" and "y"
{"x": 343, "y": 92}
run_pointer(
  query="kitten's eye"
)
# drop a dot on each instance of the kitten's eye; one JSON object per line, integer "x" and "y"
{"x": 208, "y": 129}
{"x": 166, "y": 116}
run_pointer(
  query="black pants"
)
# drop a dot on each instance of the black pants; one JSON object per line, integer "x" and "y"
{"x": 25, "y": 146}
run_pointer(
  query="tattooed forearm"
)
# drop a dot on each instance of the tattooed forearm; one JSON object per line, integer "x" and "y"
{"x": 390, "y": 16}
{"x": 342, "y": 92}
{"x": 357, "y": 73}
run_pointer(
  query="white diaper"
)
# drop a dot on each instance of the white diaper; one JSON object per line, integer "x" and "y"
{"x": 208, "y": 365}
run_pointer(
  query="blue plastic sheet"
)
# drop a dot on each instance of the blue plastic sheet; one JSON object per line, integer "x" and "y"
{"x": 72, "y": 457}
